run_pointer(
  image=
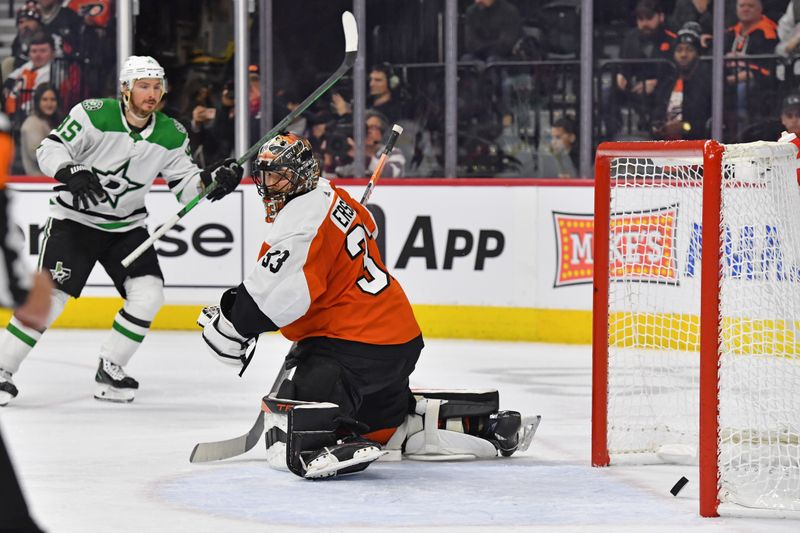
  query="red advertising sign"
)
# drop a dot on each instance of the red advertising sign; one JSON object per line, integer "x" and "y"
{"x": 642, "y": 246}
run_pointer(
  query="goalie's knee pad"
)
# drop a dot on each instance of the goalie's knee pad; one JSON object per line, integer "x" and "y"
{"x": 306, "y": 435}
{"x": 452, "y": 424}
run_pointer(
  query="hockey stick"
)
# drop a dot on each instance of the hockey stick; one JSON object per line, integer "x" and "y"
{"x": 396, "y": 131}
{"x": 350, "y": 52}
{"x": 225, "y": 449}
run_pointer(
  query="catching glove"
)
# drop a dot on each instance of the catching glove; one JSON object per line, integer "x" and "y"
{"x": 82, "y": 183}
{"x": 221, "y": 337}
{"x": 226, "y": 174}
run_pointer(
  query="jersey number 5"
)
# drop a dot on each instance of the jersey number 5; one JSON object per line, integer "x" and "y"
{"x": 374, "y": 279}
{"x": 69, "y": 128}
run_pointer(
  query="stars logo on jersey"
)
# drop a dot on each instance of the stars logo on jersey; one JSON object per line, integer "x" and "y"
{"x": 117, "y": 183}
{"x": 60, "y": 274}
{"x": 92, "y": 105}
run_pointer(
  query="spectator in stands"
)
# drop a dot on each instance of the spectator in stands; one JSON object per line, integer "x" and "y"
{"x": 491, "y": 29}
{"x": 212, "y": 126}
{"x": 19, "y": 86}
{"x": 636, "y": 84}
{"x": 683, "y": 99}
{"x": 747, "y": 81}
{"x": 95, "y": 13}
{"x": 316, "y": 125}
{"x": 97, "y": 51}
{"x": 560, "y": 158}
{"x": 789, "y": 31}
{"x": 649, "y": 40}
{"x": 46, "y": 116}
{"x": 63, "y": 24}
{"x": 377, "y": 132}
{"x": 382, "y": 83}
{"x": 700, "y": 11}
{"x": 790, "y": 114}
{"x": 29, "y": 22}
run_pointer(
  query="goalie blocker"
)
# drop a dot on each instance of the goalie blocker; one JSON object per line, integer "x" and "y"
{"x": 313, "y": 441}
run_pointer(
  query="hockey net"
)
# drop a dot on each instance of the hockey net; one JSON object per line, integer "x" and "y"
{"x": 697, "y": 349}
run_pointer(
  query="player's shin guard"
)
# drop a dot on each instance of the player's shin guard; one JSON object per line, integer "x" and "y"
{"x": 308, "y": 435}
{"x": 15, "y": 344}
{"x": 144, "y": 296}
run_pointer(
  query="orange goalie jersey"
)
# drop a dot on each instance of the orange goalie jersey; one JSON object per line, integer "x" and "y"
{"x": 320, "y": 274}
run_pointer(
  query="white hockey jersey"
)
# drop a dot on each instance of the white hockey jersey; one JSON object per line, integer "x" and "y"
{"x": 96, "y": 134}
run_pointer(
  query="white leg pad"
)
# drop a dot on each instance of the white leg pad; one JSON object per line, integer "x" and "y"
{"x": 429, "y": 443}
{"x": 276, "y": 424}
{"x": 450, "y": 446}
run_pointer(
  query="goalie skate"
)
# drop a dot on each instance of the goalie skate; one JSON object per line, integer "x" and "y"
{"x": 344, "y": 458}
{"x": 8, "y": 390}
{"x": 113, "y": 384}
{"x": 529, "y": 426}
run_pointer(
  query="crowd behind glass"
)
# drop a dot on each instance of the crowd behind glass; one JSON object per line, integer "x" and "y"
{"x": 518, "y": 76}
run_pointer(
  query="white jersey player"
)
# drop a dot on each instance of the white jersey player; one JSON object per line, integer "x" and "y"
{"x": 106, "y": 154}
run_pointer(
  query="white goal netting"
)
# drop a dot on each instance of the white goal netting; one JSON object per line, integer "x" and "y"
{"x": 654, "y": 308}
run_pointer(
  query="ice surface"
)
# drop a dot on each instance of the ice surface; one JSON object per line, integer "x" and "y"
{"x": 91, "y": 467}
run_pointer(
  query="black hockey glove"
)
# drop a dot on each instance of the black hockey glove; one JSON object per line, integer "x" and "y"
{"x": 227, "y": 174}
{"x": 82, "y": 183}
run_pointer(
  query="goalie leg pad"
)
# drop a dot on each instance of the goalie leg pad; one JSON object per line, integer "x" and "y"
{"x": 307, "y": 434}
{"x": 461, "y": 424}
{"x": 434, "y": 444}
{"x": 313, "y": 450}
{"x": 276, "y": 417}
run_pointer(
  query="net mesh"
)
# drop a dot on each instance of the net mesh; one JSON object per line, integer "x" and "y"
{"x": 654, "y": 304}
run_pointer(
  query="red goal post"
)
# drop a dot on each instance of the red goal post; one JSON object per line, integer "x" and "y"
{"x": 674, "y": 351}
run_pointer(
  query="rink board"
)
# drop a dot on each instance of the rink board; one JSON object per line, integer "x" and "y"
{"x": 477, "y": 258}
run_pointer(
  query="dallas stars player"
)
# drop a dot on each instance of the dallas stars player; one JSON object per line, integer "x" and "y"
{"x": 106, "y": 154}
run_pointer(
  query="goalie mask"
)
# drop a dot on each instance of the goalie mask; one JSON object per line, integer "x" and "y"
{"x": 285, "y": 168}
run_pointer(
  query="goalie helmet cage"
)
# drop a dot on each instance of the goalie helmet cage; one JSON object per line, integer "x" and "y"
{"x": 699, "y": 351}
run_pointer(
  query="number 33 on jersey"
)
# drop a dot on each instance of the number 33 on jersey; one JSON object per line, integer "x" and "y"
{"x": 320, "y": 269}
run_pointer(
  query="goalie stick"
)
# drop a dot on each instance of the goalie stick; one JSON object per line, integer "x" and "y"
{"x": 225, "y": 449}
{"x": 350, "y": 52}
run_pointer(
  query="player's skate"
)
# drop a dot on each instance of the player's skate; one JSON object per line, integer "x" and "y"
{"x": 7, "y": 388}
{"x": 113, "y": 384}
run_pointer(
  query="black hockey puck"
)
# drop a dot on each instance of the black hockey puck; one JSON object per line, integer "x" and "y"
{"x": 678, "y": 486}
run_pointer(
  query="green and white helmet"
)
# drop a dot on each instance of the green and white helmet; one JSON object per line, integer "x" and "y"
{"x": 141, "y": 67}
